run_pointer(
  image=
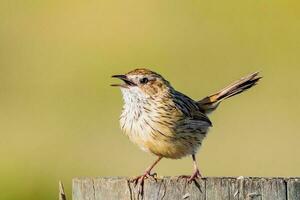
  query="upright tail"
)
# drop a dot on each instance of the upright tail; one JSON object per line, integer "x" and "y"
{"x": 210, "y": 103}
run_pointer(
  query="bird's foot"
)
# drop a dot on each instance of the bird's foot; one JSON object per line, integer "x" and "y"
{"x": 139, "y": 181}
{"x": 195, "y": 176}
{"x": 191, "y": 178}
{"x": 146, "y": 175}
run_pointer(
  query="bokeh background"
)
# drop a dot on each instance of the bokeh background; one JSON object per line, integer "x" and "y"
{"x": 59, "y": 116}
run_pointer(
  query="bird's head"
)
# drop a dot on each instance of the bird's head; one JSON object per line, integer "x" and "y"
{"x": 142, "y": 84}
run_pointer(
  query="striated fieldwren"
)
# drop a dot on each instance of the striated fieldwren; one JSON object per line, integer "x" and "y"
{"x": 165, "y": 122}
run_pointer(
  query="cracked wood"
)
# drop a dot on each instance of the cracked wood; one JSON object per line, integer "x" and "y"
{"x": 169, "y": 188}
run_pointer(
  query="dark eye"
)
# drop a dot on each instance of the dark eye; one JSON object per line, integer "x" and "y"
{"x": 144, "y": 80}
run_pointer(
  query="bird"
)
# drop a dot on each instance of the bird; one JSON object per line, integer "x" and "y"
{"x": 166, "y": 122}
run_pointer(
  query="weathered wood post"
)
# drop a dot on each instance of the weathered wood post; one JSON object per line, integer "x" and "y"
{"x": 61, "y": 191}
{"x": 169, "y": 188}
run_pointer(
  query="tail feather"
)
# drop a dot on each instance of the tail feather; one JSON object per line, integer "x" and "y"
{"x": 210, "y": 103}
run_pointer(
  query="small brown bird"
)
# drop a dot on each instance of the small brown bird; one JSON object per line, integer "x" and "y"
{"x": 165, "y": 122}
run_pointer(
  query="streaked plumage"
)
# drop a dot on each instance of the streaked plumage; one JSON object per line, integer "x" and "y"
{"x": 165, "y": 122}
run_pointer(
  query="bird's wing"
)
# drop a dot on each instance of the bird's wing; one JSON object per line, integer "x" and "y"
{"x": 190, "y": 109}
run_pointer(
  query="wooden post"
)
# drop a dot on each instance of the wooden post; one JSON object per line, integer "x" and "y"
{"x": 61, "y": 193}
{"x": 169, "y": 188}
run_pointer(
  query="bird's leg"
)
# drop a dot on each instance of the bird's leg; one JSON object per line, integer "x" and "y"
{"x": 140, "y": 179}
{"x": 196, "y": 173}
{"x": 147, "y": 173}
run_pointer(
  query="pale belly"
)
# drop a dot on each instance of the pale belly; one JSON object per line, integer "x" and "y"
{"x": 162, "y": 141}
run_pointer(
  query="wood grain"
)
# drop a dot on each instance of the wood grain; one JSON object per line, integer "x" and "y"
{"x": 171, "y": 188}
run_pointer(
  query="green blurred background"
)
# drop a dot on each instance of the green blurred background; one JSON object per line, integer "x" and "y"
{"x": 59, "y": 116}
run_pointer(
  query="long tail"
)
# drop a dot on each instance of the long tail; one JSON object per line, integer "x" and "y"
{"x": 210, "y": 103}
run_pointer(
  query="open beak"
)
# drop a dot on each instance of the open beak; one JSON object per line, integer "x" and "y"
{"x": 124, "y": 78}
